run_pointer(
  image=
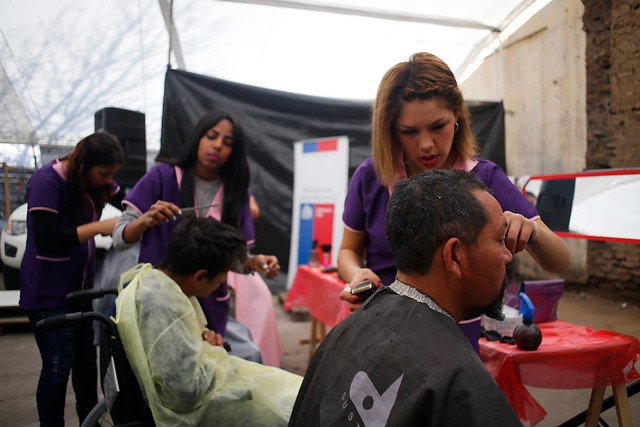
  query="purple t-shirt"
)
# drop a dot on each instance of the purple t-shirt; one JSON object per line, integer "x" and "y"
{"x": 161, "y": 183}
{"x": 47, "y": 277}
{"x": 365, "y": 208}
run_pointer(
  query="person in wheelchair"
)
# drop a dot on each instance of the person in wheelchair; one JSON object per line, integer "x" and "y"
{"x": 186, "y": 375}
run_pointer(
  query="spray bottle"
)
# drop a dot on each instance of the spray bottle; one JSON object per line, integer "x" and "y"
{"x": 313, "y": 255}
{"x": 326, "y": 255}
{"x": 527, "y": 335}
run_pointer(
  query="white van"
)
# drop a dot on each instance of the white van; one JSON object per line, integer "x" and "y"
{"x": 14, "y": 239}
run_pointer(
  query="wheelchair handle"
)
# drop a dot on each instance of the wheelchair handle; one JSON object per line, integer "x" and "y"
{"x": 79, "y": 297}
{"x": 73, "y": 319}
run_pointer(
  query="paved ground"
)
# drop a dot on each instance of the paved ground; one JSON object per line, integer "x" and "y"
{"x": 20, "y": 362}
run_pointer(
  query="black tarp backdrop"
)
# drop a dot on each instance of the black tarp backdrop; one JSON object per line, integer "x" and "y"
{"x": 272, "y": 121}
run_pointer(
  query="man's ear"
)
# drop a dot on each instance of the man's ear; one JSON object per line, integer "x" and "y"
{"x": 453, "y": 255}
{"x": 199, "y": 276}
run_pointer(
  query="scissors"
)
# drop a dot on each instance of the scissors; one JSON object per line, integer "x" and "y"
{"x": 199, "y": 208}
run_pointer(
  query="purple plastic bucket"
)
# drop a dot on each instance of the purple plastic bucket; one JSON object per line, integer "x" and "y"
{"x": 544, "y": 294}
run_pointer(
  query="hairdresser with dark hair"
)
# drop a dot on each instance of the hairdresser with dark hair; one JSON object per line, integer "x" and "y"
{"x": 211, "y": 174}
{"x": 65, "y": 200}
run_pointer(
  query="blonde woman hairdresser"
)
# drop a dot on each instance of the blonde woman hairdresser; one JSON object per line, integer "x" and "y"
{"x": 420, "y": 121}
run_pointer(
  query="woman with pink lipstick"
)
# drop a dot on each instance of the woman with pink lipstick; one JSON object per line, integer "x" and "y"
{"x": 419, "y": 122}
{"x": 211, "y": 174}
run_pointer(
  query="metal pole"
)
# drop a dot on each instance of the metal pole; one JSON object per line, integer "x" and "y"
{"x": 174, "y": 40}
{"x": 6, "y": 189}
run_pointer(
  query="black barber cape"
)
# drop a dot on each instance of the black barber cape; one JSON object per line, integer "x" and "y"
{"x": 396, "y": 362}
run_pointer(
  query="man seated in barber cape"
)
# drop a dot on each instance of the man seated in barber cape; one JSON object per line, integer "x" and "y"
{"x": 401, "y": 359}
{"x": 185, "y": 374}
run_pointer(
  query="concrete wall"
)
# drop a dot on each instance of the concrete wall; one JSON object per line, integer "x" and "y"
{"x": 540, "y": 74}
{"x": 569, "y": 79}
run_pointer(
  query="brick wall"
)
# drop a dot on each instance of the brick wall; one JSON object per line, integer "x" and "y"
{"x": 613, "y": 123}
{"x": 625, "y": 83}
{"x": 615, "y": 266}
{"x": 597, "y": 25}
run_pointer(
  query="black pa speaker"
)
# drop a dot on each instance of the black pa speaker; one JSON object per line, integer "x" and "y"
{"x": 129, "y": 127}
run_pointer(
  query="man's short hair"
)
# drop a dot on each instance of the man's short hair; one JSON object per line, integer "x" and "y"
{"x": 203, "y": 243}
{"x": 427, "y": 210}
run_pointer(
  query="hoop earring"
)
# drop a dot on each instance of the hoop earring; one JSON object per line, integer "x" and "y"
{"x": 455, "y": 127}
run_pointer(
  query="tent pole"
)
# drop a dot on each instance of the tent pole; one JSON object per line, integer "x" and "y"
{"x": 7, "y": 196}
{"x": 372, "y": 13}
{"x": 171, "y": 27}
{"x": 174, "y": 41}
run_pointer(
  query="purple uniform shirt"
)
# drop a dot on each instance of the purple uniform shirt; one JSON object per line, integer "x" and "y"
{"x": 161, "y": 183}
{"x": 47, "y": 277}
{"x": 365, "y": 211}
{"x": 365, "y": 208}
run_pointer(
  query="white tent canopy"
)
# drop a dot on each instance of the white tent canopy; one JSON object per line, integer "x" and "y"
{"x": 63, "y": 60}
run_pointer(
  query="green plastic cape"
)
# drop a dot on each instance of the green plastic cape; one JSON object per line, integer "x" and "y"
{"x": 185, "y": 380}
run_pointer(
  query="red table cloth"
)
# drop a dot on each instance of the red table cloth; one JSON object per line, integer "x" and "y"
{"x": 569, "y": 357}
{"x": 319, "y": 293}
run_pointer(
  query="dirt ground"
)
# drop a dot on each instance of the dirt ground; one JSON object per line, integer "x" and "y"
{"x": 20, "y": 361}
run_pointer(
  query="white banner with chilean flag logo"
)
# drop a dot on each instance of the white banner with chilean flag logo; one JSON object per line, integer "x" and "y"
{"x": 321, "y": 175}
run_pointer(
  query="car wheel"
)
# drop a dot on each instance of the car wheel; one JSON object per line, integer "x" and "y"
{"x": 11, "y": 277}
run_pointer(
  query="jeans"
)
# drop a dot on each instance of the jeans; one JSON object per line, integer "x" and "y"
{"x": 65, "y": 351}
